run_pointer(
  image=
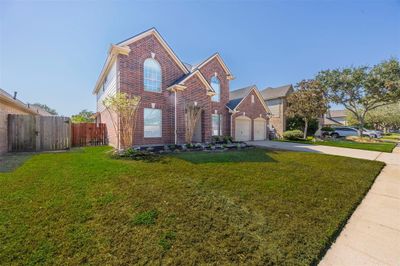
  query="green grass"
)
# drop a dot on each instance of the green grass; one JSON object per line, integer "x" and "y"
{"x": 379, "y": 146}
{"x": 393, "y": 137}
{"x": 145, "y": 218}
{"x": 244, "y": 207}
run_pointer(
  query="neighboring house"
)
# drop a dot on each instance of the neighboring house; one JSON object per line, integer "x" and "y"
{"x": 249, "y": 114}
{"x": 335, "y": 117}
{"x": 146, "y": 66}
{"x": 11, "y": 105}
{"x": 276, "y": 100}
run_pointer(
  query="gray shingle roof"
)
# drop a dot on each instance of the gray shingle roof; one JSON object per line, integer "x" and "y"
{"x": 236, "y": 96}
{"x": 240, "y": 93}
{"x": 337, "y": 113}
{"x": 232, "y": 104}
{"x": 278, "y": 92}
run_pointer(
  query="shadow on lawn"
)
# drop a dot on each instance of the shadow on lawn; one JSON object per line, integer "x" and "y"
{"x": 10, "y": 162}
{"x": 252, "y": 155}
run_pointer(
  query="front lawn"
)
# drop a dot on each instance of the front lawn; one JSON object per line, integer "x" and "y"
{"x": 377, "y": 146}
{"x": 243, "y": 207}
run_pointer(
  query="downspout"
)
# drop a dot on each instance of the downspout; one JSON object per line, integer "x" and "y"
{"x": 176, "y": 137}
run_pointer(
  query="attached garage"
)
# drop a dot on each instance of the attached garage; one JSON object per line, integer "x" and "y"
{"x": 242, "y": 128}
{"x": 260, "y": 129}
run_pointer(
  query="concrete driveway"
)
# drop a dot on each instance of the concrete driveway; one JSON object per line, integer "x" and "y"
{"x": 354, "y": 153}
{"x": 372, "y": 234}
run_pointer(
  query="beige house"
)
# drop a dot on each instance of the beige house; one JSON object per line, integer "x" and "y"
{"x": 335, "y": 117}
{"x": 276, "y": 100}
{"x": 11, "y": 105}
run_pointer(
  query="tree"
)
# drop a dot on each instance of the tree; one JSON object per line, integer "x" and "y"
{"x": 122, "y": 109}
{"x": 362, "y": 89}
{"x": 384, "y": 117}
{"x": 192, "y": 113}
{"x": 46, "y": 108}
{"x": 296, "y": 122}
{"x": 307, "y": 102}
{"x": 83, "y": 116}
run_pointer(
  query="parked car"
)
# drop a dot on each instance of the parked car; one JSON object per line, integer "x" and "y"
{"x": 351, "y": 131}
{"x": 372, "y": 133}
{"x": 339, "y": 132}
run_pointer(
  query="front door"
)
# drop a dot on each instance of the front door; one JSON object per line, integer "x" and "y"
{"x": 197, "y": 131}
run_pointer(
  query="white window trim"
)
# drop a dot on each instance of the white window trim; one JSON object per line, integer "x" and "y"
{"x": 220, "y": 118}
{"x": 216, "y": 94}
{"x": 161, "y": 75}
{"x": 144, "y": 125}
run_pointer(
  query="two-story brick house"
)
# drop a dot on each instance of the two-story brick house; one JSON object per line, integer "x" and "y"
{"x": 145, "y": 65}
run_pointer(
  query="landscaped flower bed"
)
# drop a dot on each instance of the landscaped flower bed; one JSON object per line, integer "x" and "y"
{"x": 153, "y": 152}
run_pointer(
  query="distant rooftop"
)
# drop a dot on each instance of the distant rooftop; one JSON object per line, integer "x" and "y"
{"x": 278, "y": 92}
{"x": 29, "y": 108}
{"x": 337, "y": 113}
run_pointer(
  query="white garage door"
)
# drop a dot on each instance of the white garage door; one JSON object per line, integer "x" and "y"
{"x": 259, "y": 129}
{"x": 242, "y": 128}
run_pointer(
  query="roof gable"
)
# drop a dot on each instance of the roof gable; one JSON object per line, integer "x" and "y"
{"x": 245, "y": 92}
{"x": 180, "y": 83}
{"x": 123, "y": 48}
{"x": 155, "y": 33}
{"x": 221, "y": 62}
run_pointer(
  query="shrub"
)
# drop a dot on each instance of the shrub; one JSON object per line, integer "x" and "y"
{"x": 222, "y": 139}
{"x": 133, "y": 154}
{"x": 296, "y": 122}
{"x": 293, "y": 135}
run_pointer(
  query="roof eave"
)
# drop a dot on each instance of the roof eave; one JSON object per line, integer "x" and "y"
{"x": 113, "y": 52}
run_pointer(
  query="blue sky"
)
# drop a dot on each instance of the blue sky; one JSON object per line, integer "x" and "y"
{"x": 52, "y": 52}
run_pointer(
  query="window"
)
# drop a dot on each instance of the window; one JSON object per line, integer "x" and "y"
{"x": 152, "y": 75}
{"x": 252, "y": 98}
{"x": 217, "y": 88}
{"x": 216, "y": 125}
{"x": 152, "y": 123}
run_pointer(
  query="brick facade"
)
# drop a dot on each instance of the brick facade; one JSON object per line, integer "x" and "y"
{"x": 212, "y": 68}
{"x": 130, "y": 70}
{"x": 251, "y": 110}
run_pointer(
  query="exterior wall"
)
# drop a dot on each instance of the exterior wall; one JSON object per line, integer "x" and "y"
{"x": 5, "y": 109}
{"x": 105, "y": 117}
{"x": 278, "y": 118}
{"x": 208, "y": 71}
{"x": 110, "y": 87}
{"x": 250, "y": 110}
{"x": 195, "y": 91}
{"x": 131, "y": 81}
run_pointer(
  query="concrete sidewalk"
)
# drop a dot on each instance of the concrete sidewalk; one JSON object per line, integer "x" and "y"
{"x": 372, "y": 234}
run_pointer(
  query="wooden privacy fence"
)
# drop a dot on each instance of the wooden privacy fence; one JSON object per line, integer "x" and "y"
{"x": 38, "y": 133}
{"x": 85, "y": 134}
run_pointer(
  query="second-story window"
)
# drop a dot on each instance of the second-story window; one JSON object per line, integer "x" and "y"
{"x": 152, "y": 75}
{"x": 217, "y": 88}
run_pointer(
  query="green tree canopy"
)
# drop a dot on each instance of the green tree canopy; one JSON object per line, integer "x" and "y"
{"x": 83, "y": 116}
{"x": 307, "y": 102}
{"x": 46, "y": 108}
{"x": 362, "y": 89}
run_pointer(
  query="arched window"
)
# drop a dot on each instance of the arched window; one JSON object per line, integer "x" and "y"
{"x": 217, "y": 88}
{"x": 152, "y": 75}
